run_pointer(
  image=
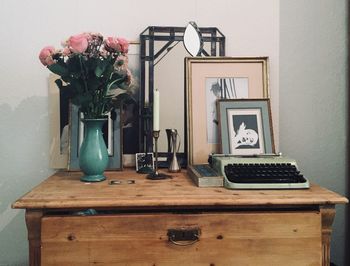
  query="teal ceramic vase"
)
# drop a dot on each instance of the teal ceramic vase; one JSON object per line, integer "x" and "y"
{"x": 93, "y": 156}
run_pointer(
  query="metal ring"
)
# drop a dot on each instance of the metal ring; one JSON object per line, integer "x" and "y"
{"x": 115, "y": 182}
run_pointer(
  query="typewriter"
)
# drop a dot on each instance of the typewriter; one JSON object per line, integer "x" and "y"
{"x": 258, "y": 172}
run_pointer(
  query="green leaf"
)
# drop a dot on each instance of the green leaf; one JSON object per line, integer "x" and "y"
{"x": 91, "y": 64}
{"x": 100, "y": 67}
{"x": 66, "y": 78}
{"x": 82, "y": 99}
{"x": 99, "y": 70}
{"x": 94, "y": 83}
{"x": 59, "y": 83}
{"x": 74, "y": 67}
{"x": 58, "y": 69}
{"x": 117, "y": 75}
{"x": 77, "y": 86}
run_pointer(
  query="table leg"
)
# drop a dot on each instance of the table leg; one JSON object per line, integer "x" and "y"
{"x": 33, "y": 221}
{"x": 328, "y": 214}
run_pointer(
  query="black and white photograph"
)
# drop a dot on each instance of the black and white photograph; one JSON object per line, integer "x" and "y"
{"x": 245, "y": 126}
{"x": 144, "y": 160}
{"x": 245, "y": 131}
{"x": 221, "y": 88}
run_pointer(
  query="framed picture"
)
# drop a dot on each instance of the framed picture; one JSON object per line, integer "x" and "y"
{"x": 144, "y": 160}
{"x": 209, "y": 79}
{"x": 245, "y": 126}
{"x": 111, "y": 133}
{"x": 130, "y": 110}
{"x": 59, "y": 126}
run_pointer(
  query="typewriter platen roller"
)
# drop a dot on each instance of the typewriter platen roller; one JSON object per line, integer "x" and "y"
{"x": 259, "y": 172}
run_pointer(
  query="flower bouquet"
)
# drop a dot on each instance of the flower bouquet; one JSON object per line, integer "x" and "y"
{"x": 90, "y": 69}
{"x": 94, "y": 74}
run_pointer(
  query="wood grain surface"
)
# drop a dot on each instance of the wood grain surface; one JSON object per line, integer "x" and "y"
{"x": 241, "y": 238}
{"x": 65, "y": 190}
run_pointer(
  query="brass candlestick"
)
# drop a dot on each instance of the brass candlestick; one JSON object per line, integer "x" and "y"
{"x": 156, "y": 175}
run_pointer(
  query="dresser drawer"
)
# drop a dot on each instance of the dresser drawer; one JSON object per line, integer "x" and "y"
{"x": 224, "y": 238}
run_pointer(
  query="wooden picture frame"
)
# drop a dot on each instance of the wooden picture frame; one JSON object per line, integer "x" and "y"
{"x": 59, "y": 127}
{"x": 211, "y": 78}
{"x": 245, "y": 126}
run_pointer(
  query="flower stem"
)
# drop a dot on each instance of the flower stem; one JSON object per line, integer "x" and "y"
{"x": 84, "y": 76}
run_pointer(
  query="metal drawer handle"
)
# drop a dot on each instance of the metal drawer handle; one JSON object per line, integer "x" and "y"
{"x": 183, "y": 237}
{"x": 184, "y": 243}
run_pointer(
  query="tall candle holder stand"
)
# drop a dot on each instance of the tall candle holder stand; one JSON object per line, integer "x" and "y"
{"x": 156, "y": 175}
{"x": 146, "y": 117}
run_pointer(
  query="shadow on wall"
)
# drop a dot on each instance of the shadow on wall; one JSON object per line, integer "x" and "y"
{"x": 24, "y": 147}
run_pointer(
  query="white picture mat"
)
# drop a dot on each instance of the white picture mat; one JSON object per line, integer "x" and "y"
{"x": 240, "y": 90}
{"x": 234, "y": 112}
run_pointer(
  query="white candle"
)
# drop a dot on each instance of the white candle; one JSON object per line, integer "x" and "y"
{"x": 156, "y": 110}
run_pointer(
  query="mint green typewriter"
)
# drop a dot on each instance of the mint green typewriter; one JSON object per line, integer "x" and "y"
{"x": 258, "y": 172}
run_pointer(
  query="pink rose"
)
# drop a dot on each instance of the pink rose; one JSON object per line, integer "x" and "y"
{"x": 124, "y": 44}
{"x": 45, "y": 55}
{"x": 78, "y": 43}
{"x": 104, "y": 53}
{"x": 66, "y": 51}
{"x": 113, "y": 44}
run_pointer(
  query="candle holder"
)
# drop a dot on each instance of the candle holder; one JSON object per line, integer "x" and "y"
{"x": 146, "y": 116}
{"x": 156, "y": 175}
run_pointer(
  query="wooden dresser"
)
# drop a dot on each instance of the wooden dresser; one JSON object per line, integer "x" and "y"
{"x": 137, "y": 221}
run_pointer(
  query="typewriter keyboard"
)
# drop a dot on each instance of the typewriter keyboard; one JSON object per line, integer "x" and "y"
{"x": 264, "y": 173}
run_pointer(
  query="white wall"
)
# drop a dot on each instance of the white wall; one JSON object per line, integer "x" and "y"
{"x": 313, "y": 96}
{"x": 251, "y": 28}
